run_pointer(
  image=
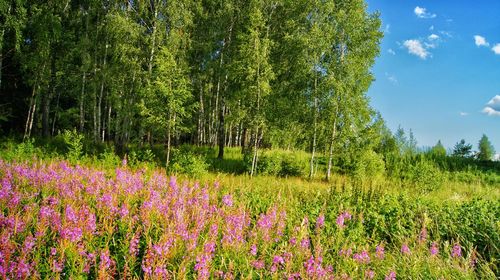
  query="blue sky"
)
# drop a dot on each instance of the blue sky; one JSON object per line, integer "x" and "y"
{"x": 433, "y": 75}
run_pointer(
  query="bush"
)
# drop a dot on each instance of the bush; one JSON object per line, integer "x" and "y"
{"x": 278, "y": 163}
{"x": 368, "y": 165}
{"x": 109, "y": 159}
{"x": 291, "y": 165}
{"x": 74, "y": 143}
{"x": 187, "y": 163}
{"x": 425, "y": 175}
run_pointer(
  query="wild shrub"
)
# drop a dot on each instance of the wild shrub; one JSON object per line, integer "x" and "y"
{"x": 74, "y": 143}
{"x": 186, "y": 162}
{"x": 279, "y": 163}
{"x": 425, "y": 176}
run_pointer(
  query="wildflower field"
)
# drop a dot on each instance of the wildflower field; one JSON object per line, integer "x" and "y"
{"x": 68, "y": 221}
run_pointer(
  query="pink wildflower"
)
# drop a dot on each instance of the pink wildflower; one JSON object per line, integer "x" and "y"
{"x": 253, "y": 250}
{"x": 456, "y": 251}
{"x": 405, "y": 250}
{"x": 362, "y": 257}
{"x": 434, "y": 250}
{"x": 369, "y": 274}
{"x": 379, "y": 251}
{"x": 227, "y": 200}
{"x": 320, "y": 222}
{"x": 259, "y": 264}
{"x": 342, "y": 218}
{"x": 391, "y": 276}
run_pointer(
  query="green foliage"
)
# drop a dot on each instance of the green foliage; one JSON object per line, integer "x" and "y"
{"x": 25, "y": 150}
{"x": 109, "y": 159}
{"x": 462, "y": 149}
{"x": 188, "y": 163}
{"x": 486, "y": 149}
{"x": 279, "y": 163}
{"x": 425, "y": 176}
{"x": 438, "y": 150}
{"x": 369, "y": 165}
{"x": 74, "y": 143}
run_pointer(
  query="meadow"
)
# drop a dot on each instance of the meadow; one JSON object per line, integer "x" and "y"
{"x": 68, "y": 217}
{"x": 238, "y": 140}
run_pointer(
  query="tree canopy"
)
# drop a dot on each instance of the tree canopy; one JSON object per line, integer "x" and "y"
{"x": 486, "y": 150}
{"x": 288, "y": 74}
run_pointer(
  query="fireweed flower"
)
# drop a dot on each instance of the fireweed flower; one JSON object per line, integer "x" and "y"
{"x": 391, "y": 276}
{"x": 344, "y": 216}
{"x": 209, "y": 248}
{"x": 320, "y": 222}
{"x": 434, "y": 250}
{"x": 456, "y": 251}
{"x": 259, "y": 264}
{"x": 304, "y": 243}
{"x": 422, "y": 237}
{"x": 277, "y": 260}
{"x": 345, "y": 252}
{"x": 253, "y": 250}
{"x": 473, "y": 259}
{"x": 369, "y": 274}
{"x": 202, "y": 266}
{"x": 314, "y": 268}
{"x": 405, "y": 250}
{"x": 147, "y": 262}
{"x": 379, "y": 251}
{"x": 227, "y": 200}
{"x": 29, "y": 243}
{"x": 57, "y": 266}
{"x": 105, "y": 261}
{"x": 362, "y": 257}
{"x": 23, "y": 269}
{"x": 287, "y": 256}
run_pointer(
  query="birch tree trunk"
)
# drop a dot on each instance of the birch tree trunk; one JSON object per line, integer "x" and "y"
{"x": 313, "y": 149}
{"x": 101, "y": 93}
{"x": 82, "y": 98}
{"x": 330, "y": 154}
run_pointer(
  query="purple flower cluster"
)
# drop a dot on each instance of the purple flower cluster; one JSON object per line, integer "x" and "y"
{"x": 434, "y": 250}
{"x": 456, "y": 251}
{"x": 362, "y": 257}
{"x": 344, "y": 216}
{"x": 123, "y": 223}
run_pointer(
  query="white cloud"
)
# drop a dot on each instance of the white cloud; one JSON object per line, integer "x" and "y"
{"x": 464, "y": 114}
{"x": 422, "y": 13}
{"x": 446, "y": 33}
{"x": 496, "y": 49}
{"x": 430, "y": 45}
{"x": 391, "y": 78}
{"x": 415, "y": 47}
{"x": 490, "y": 112}
{"x": 493, "y": 106}
{"x": 431, "y": 28}
{"x": 391, "y": 51}
{"x": 495, "y": 103}
{"x": 480, "y": 41}
{"x": 433, "y": 37}
{"x": 387, "y": 29}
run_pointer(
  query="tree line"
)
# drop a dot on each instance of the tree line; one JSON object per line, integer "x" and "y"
{"x": 290, "y": 74}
